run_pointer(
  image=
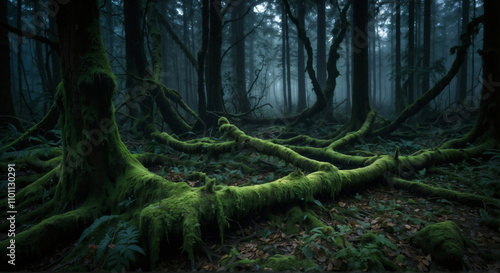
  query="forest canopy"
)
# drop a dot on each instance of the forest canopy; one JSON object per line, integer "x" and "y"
{"x": 250, "y": 135}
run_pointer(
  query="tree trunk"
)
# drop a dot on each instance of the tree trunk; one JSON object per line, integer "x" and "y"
{"x": 283, "y": 57}
{"x": 321, "y": 55}
{"x": 462, "y": 82}
{"x": 348, "y": 70}
{"x": 137, "y": 64}
{"x": 301, "y": 100}
{"x": 410, "y": 53}
{"x": 215, "y": 103}
{"x": 360, "y": 97}
{"x": 488, "y": 123}
{"x": 399, "y": 103}
{"x": 238, "y": 31}
{"x": 7, "y": 109}
{"x": 202, "y": 99}
{"x": 427, "y": 49}
{"x": 288, "y": 67}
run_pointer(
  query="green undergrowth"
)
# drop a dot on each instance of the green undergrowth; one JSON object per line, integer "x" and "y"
{"x": 276, "y": 262}
{"x": 320, "y": 245}
{"x": 108, "y": 244}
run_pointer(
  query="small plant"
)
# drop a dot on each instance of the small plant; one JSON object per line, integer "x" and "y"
{"x": 116, "y": 250}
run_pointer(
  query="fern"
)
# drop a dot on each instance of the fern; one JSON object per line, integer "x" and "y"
{"x": 123, "y": 251}
{"x": 95, "y": 225}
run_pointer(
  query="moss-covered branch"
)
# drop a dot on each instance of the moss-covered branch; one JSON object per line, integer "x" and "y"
{"x": 450, "y": 195}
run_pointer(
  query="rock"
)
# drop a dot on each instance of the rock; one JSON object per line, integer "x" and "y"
{"x": 444, "y": 242}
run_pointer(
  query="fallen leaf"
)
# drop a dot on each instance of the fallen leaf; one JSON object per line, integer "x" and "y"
{"x": 223, "y": 257}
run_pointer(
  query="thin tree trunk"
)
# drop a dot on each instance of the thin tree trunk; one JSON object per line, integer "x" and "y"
{"x": 321, "y": 55}
{"x": 283, "y": 56}
{"x": 427, "y": 49}
{"x": 301, "y": 104}
{"x": 288, "y": 67}
{"x": 400, "y": 102}
{"x": 462, "y": 82}
{"x": 411, "y": 49}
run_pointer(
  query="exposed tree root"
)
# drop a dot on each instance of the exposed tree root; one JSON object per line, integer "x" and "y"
{"x": 451, "y": 195}
{"x": 165, "y": 209}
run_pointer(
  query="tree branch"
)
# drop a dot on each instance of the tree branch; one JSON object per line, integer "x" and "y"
{"x": 53, "y": 44}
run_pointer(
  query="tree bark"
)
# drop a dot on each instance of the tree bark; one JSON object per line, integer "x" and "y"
{"x": 301, "y": 99}
{"x": 215, "y": 103}
{"x": 283, "y": 57}
{"x": 360, "y": 97}
{"x": 321, "y": 53}
{"x": 399, "y": 103}
{"x": 410, "y": 52}
{"x": 462, "y": 82}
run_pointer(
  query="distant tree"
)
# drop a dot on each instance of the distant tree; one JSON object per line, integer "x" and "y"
{"x": 427, "y": 48}
{"x": 321, "y": 45}
{"x": 288, "y": 66}
{"x": 238, "y": 32}
{"x": 462, "y": 80}
{"x": 7, "y": 109}
{"x": 301, "y": 103}
{"x": 410, "y": 53}
{"x": 283, "y": 56}
{"x": 400, "y": 103}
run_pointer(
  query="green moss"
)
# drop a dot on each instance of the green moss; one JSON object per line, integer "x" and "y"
{"x": 444, "y": 242}
{"x": 308, "y": 219}
{"x": 412, "y": 202}
{"x": 368, "y": 238}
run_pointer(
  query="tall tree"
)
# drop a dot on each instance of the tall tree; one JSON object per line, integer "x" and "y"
{"x": 301, "y": 104}
{"x": 321, "y": 50}
{"x": 411, "y": 51}
{"x": 348, "y": 71}
{"x": 427, "y": 47}
{"x": 238, "y": 32}
{"x": 215, "y": 103}
{"x": 360, "y": 97}
{"x": 137, "y": 64}
{"x": 283, "y": 56}
{"x": 462, "y": 82}
{"x": 400, "y": 103}
{"x": 7, "y": 109}
{"x": 288, "y": 65}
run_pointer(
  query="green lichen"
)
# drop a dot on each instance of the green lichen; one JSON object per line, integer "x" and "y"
{"x": 444, "y": 242}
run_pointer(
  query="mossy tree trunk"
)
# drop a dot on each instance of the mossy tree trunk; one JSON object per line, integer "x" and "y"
{"x": 93, "y": 152}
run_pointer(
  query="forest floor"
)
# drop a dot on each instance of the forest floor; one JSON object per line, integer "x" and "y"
{"x": 281, "y": 239}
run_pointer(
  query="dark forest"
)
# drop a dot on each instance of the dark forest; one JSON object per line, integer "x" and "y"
{"x": 250, "y": 135}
